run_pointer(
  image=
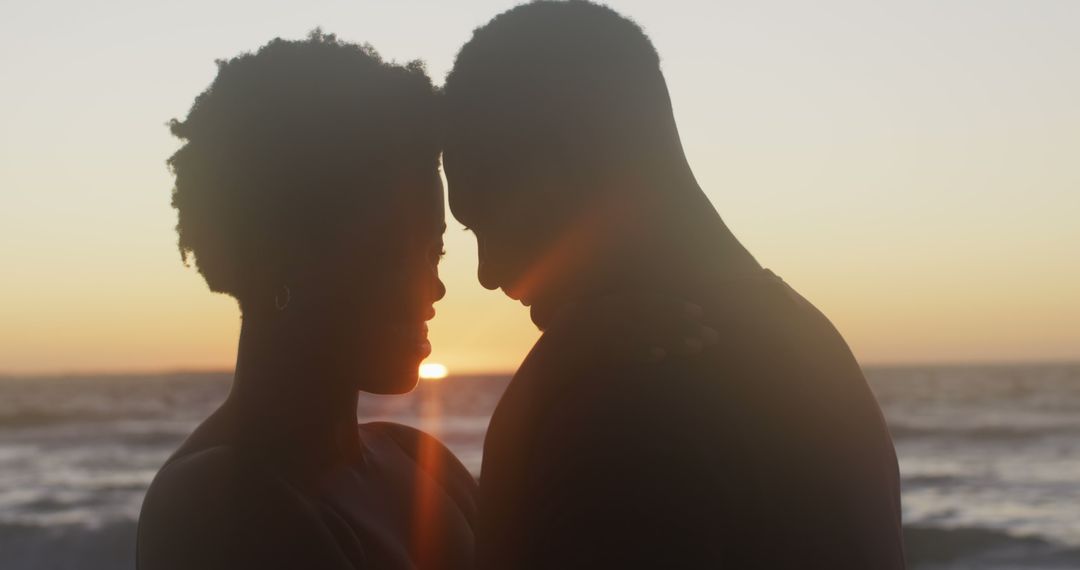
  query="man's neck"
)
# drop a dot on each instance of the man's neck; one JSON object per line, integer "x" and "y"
{"x": 682, "y": 248}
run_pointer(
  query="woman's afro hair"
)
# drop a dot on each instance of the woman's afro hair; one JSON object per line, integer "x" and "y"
{"x": 288, "y": 145}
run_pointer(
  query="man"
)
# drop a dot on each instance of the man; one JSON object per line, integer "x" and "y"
{"x": 765, "y": 450}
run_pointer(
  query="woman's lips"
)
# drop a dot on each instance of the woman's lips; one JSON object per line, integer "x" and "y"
{"x": 415, "y": 334}
{"x": 424, "y": 345}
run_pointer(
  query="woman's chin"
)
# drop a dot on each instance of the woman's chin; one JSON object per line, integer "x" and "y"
{"x": 394, "y": 367}
{"x": 398, "y": 378}
{"x": 394, "y": 386}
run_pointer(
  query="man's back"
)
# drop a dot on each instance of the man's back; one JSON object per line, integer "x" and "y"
{"x": 767, "y": 450}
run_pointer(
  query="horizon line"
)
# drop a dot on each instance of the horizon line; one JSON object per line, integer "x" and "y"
{"x": 176, "y": 371}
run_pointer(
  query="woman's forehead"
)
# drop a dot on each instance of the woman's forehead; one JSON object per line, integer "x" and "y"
{"x": 425, "y": 211}
{"x": 436, "y": 210}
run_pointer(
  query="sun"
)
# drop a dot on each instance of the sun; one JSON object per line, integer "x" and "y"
{"x": 433, "y": 371}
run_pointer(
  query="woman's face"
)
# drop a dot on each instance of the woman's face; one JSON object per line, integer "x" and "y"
{"x": 381, "y": 281}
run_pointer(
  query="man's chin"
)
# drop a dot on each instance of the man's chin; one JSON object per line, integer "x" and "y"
{"x": 542, "y": 314}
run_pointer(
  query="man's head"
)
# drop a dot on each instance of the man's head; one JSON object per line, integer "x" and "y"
{"x": 559, "y": 132}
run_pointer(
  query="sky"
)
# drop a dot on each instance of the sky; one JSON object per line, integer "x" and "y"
{"x": 910, "y": 167}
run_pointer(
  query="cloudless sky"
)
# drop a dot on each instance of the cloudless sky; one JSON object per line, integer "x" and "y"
{"x": 913, "y": 168}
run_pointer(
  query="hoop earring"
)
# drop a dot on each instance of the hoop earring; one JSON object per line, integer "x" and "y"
{"x": 277, "y": 298}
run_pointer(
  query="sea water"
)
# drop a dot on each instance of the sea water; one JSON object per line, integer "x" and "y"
{"x": 989, "y": 458}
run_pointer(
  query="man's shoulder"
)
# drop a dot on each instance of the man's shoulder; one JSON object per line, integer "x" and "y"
{"x": 599, "y": 348}
{"x": 575, "y": 383}
{"x": 777, "y": 360}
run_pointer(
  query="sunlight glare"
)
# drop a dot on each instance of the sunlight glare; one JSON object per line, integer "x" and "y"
{"x": 433, "y": 371}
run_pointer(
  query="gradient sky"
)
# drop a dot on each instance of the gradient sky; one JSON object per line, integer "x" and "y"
{"x": 913, "y": 168}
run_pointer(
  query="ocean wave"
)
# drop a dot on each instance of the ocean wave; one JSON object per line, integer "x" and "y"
{"x": 900, "y": 430}
{"x": 40, "y": 418}
{"x": 935, "y": 481}
{"x": 934, "y": 548}
{"x": 112, "y": 546}
{"x": 68, "y": 547}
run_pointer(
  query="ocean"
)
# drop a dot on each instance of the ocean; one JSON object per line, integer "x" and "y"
{"x": 989, "y": 456}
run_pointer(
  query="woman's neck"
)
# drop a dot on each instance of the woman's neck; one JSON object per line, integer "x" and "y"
{"x": 288, "y": 400}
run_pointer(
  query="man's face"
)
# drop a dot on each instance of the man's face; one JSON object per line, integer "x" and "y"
{"x": 512, "y": 211}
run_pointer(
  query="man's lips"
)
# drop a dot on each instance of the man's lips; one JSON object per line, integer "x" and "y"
{"x": 516, "y": 295}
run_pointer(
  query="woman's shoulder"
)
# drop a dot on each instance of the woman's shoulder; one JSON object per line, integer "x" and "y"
{"x": 417, "y": 444}
{"x": 202, "y": 479}
{"x": 206, "y": 473}
{"x": 434, "y": 458}
{"x": 208, "y": 508}
{"x": 188, "y": 510}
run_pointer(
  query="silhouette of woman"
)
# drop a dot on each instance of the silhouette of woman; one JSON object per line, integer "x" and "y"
{"x": 308, "y": 189}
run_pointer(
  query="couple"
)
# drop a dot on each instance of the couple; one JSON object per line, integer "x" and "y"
{"x": 739, "y": 434}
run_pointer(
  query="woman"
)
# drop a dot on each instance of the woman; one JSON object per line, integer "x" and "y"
{"x": 308, "y": 189}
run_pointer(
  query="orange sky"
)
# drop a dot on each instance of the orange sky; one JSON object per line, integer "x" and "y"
{"x": 911, "y": 169}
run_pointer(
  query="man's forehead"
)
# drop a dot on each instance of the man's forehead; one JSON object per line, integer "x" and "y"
{"x": 460, "y": 170}
{"x": 458, "y": 153}
{"x": 482, "y": 138}
{"x": 462, "y": 202}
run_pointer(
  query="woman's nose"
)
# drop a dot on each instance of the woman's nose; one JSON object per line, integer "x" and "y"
{"x": 440, "y": 289}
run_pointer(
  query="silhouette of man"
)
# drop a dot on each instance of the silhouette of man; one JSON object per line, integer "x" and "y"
{"x": 766, "y": 450}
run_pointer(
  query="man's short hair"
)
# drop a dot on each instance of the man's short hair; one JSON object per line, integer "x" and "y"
{"x": 567, "y": 77}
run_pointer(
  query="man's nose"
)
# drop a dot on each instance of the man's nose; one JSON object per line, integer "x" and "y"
{"x": 485, "y": 273}
{"x": 485, "y": 268}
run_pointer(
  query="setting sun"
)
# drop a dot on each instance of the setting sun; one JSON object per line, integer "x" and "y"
{"x": 433, "y": 371}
